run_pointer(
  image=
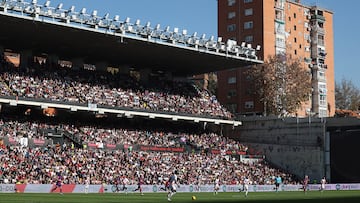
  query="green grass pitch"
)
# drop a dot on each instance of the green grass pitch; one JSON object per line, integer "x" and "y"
{"x": 263, "y": 197}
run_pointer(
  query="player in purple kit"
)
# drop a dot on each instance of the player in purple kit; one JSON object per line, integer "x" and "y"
{"x": 58, "y": 183}
{"x": 173, "y": 182}
{"x": 140, "y": 183}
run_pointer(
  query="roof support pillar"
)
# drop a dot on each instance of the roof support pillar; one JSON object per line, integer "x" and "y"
{"x": 26, "y": 58}
{"x": 102, "y": 65}
{"x": 53, "y": 59}
{"x": 77, "y": 63}
{"x": 1, "y": 53}
{"x": 144, "y": 75}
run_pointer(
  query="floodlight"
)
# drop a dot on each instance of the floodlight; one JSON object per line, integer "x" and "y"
{"x": 72, "y": 9}
{"x": 176, "y": 30}
{"x": 148, "y": 24}
{"x": 34, "y": 2}
{"x": 116, "y": 18}
{"x": 231, "y": 42}
{"x": 83, "y": 11}
{"x": 203, "y": 36}
{"x": 47, "y": 4}
{"x": 258, "y": 47}
{"x": 106, "y": 16}
{"x": 37, "y": 10}
{"x": 49, "y": 12}
{"x": 27, "y": 9}
{"x": 59, "y": 6}
{"x": 94, "y": 13}
{"x": 184, "y": 32}
{"x": 137, "y": 22}
{"x": 167, "y": 29}
{"x": 212, "y": 38}
{"x": 249, "y": 46}
{"x": 157, "y": 27}
{"x": 219, "y": 39}
{"x": 127, "y": 20}
{"x": 73, "y": 17}
{"x": 243, "y": 44}
{"x": 194, "y": 35}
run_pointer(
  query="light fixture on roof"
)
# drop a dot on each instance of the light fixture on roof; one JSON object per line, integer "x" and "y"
{"x": 127, "y": 20}
{"x": 83, "y": 11}
{"x": 157, "y": 27}
{"x": 258, "y": 47}
{"x": 176, "y": 30}
{"x": 243, "y": 44}
{"x": 137, "y": 22}
{"x": 116, "y": 18}
{"x": 106, "y": 16}
{"x": 71, "y": 9}
{"x": 59, "y": 7}
{"x": 34, "y": 2}
{"x": 47, "y": 4}
{"x": 94, "y": 13}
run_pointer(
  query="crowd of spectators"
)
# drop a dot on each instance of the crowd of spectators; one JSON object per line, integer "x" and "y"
{"x": 41, "y": 164}
{"x": 57, "y": 83}
{"x": 125, "y": 136}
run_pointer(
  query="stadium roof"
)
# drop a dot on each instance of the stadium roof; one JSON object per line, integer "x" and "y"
{"x": 70, "y": 38}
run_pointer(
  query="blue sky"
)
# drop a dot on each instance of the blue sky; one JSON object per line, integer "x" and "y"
{"x": 201, "y": 16}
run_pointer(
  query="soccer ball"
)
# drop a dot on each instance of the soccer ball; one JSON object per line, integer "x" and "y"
{"x": 193, "y": 197}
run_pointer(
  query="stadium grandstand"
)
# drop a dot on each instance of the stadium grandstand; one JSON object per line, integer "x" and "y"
{"x": 111, "y": 98}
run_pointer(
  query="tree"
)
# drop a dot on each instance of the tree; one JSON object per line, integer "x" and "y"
{"x": 282, "y": 84}
{"x": 347, "y": 96}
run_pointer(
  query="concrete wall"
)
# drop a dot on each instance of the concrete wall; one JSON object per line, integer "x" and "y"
{"x": 293, "y": 144}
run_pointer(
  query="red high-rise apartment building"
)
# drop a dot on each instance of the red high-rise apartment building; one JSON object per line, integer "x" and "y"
{"x": 279, "y": 26}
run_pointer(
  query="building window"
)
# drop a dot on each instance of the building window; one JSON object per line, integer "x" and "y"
{"x": 231, "y": 28}
{"x": 295, "y": 52}
{"x": 232, "y": 107}
{"x": 248, "y": 12}
{"x": 294, "y": 27}
{"x": 231, "y": 93}
{"x": 321, "y": 40}
{"x": 231, "y": 80}
{"x": 248, "y": 25}
{"x": 289, "y": 18}
{"x": 322, "y": 100}
{"x": 322, "y": 75}
{"x": 248, "y": 1}
{"x": 249, "y": 38}
{"x": 231, "y": 2}
{"x": 295, "y": 40}
{"x": 231, "y": 15}
{"x": 249, "y": 104}
{"x": 294, "y": 15}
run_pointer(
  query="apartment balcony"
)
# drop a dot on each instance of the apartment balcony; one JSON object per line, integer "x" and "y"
{"x": 317, "y": 17}
{"x": 279, "y": 5}
{"x": 317, "y": 29}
